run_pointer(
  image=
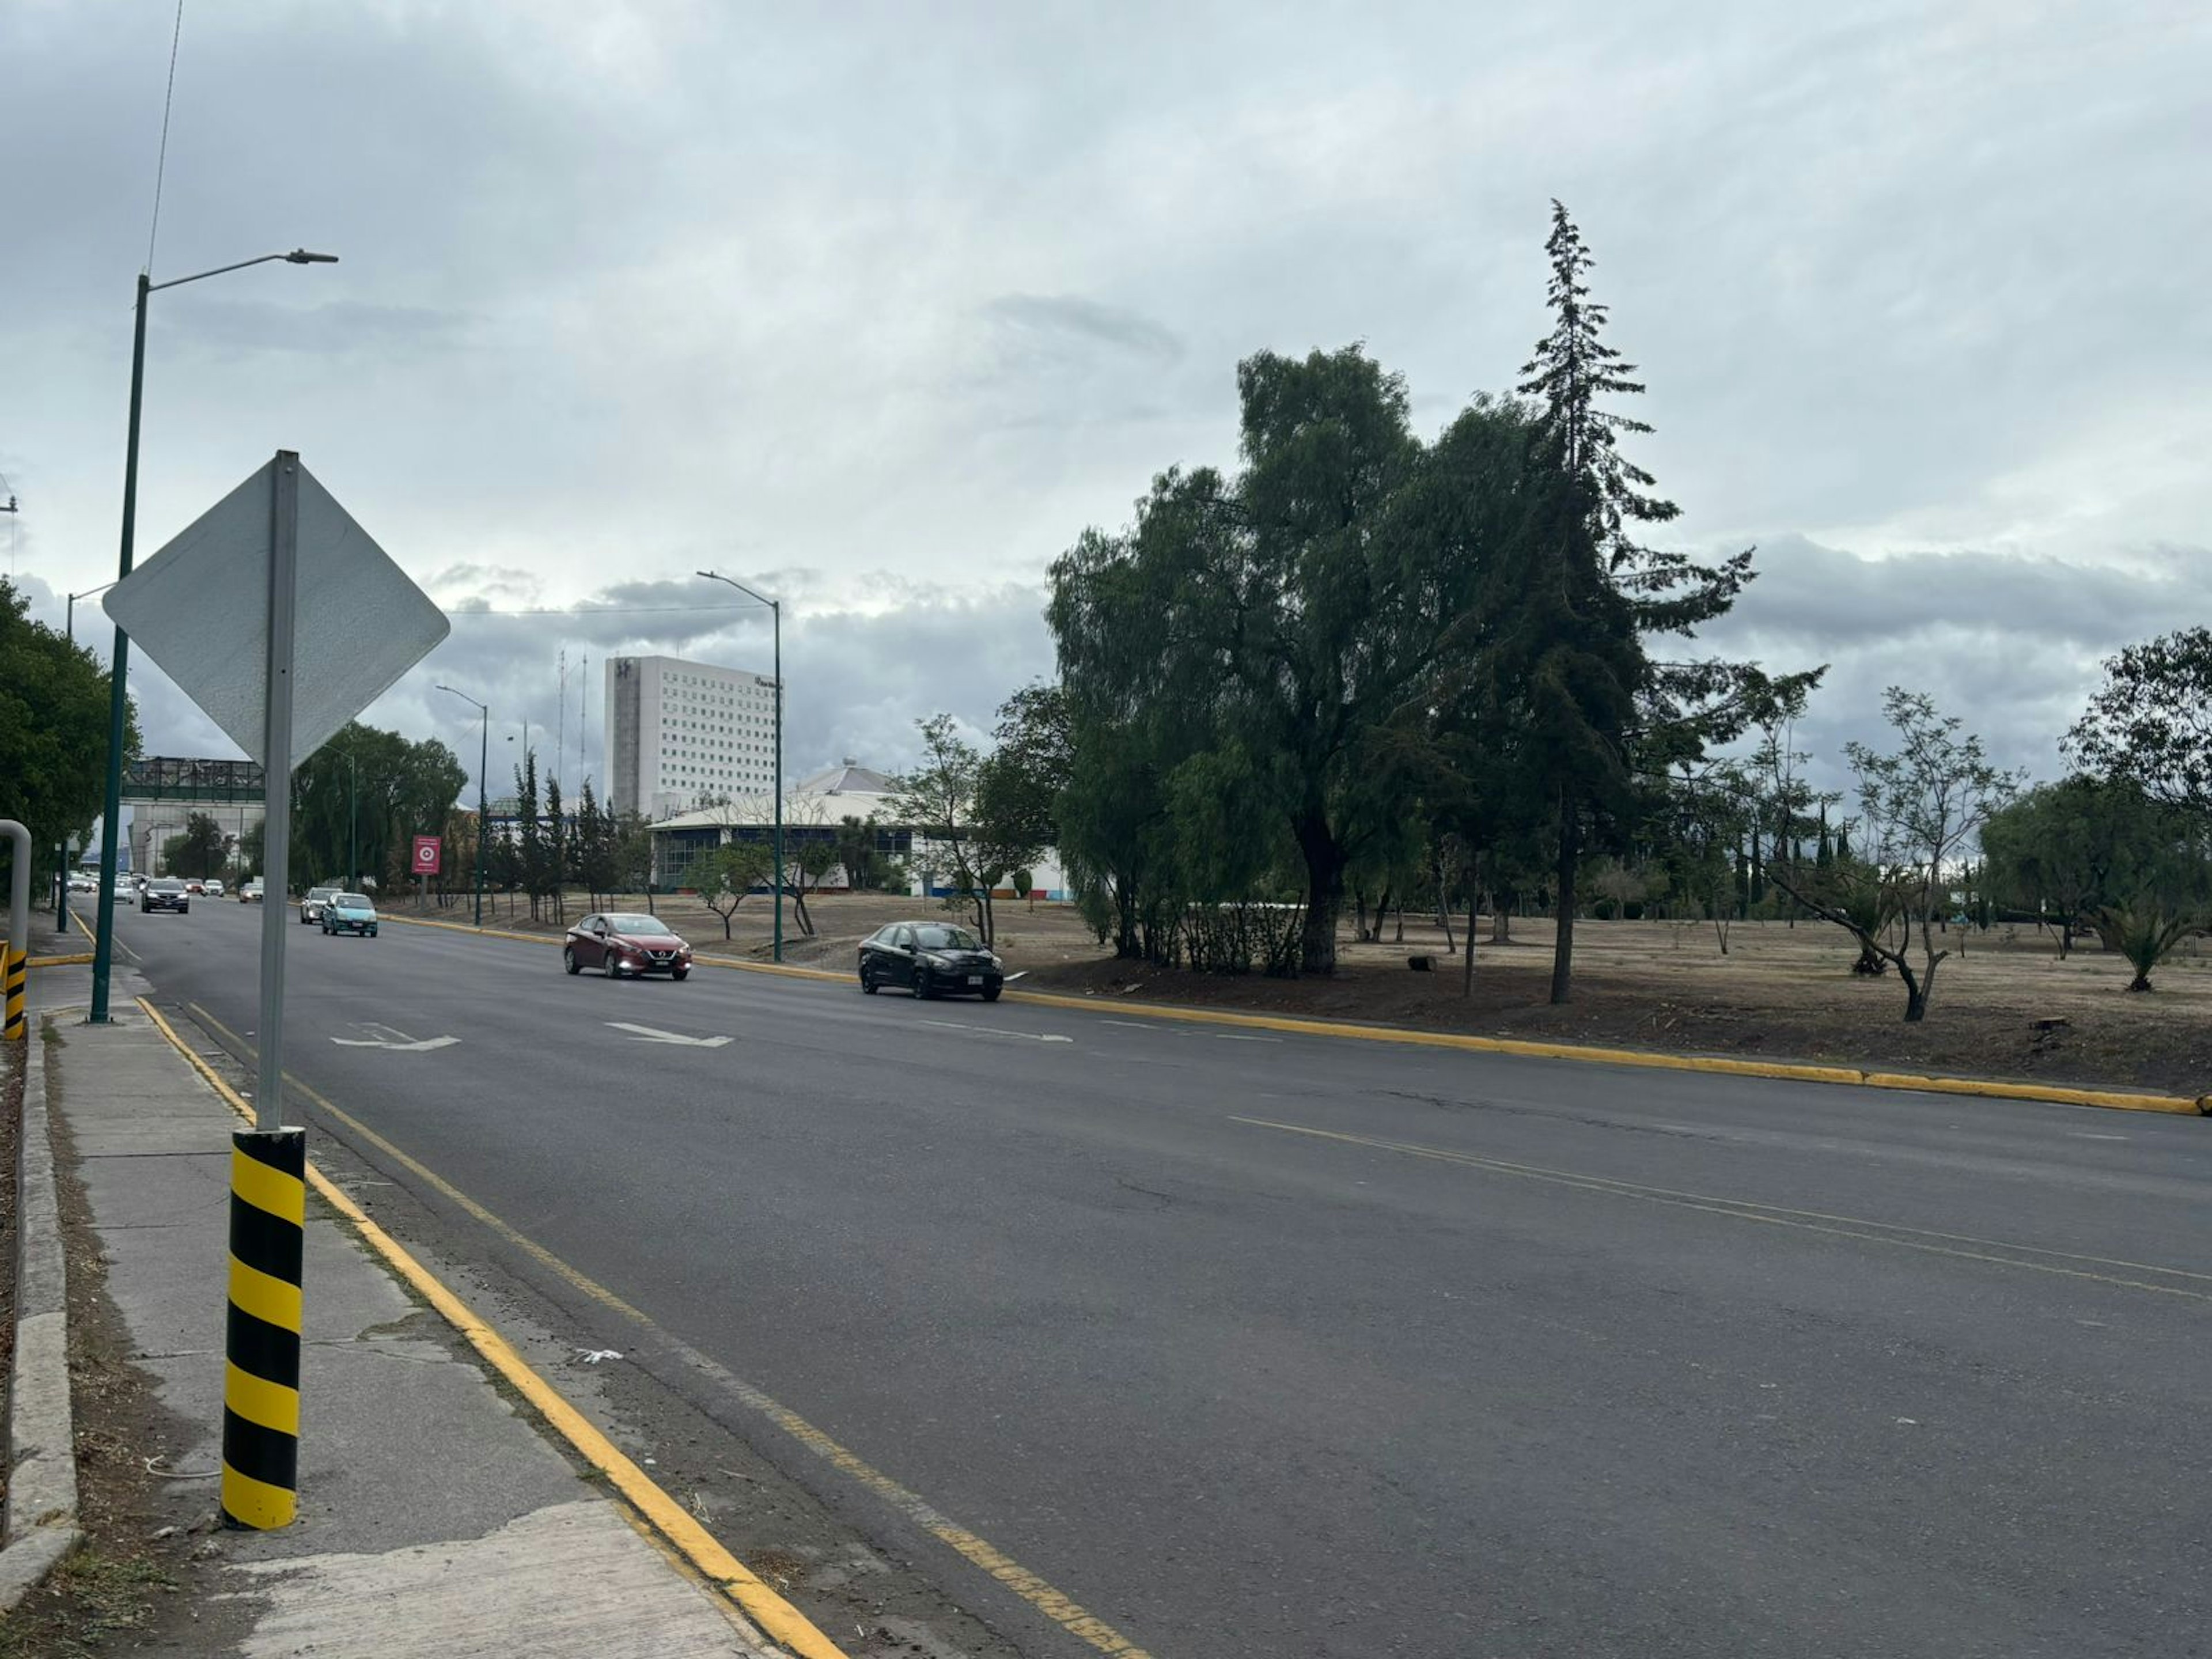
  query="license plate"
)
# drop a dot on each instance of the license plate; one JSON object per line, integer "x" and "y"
{"x": 974, "y": 979}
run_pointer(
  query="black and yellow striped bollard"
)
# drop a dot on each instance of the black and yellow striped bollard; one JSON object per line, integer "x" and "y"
{"x": 261, "y": 1342}
{"x": 18, "y": 973}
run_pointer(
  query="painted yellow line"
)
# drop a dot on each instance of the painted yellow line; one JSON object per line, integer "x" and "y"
{"x": 1031, "y": 1587}
{"x": 61, "y": 961}
{"x": 1811, "y": 1221}
{"x": 783, "y": 1622}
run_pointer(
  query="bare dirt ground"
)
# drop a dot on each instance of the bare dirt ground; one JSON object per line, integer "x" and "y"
{"x": 1781, "y": 992}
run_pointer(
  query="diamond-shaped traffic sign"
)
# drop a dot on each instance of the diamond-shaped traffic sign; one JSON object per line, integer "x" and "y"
{"x": 199, "y": 608}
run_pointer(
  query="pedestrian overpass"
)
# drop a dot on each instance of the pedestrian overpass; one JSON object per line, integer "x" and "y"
{"x": 161, "y": 790}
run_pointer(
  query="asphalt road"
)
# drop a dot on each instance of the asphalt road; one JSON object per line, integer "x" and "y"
{"x": 1258, "y": 1345}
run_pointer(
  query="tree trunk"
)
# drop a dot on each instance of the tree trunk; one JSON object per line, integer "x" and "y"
{"x": 1359, "y": 914}
{"x": 1919, "y": 988}
{"x": 1443, "y": 909}
{"x": 1562, "y": 900}
{"x": 1501, "y": 921}
{"x": 1467, "y": 968}
{"x": 1324, "y": 894}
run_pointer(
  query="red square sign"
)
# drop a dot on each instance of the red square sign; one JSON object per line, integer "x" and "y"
{"x": 426, "y": 855}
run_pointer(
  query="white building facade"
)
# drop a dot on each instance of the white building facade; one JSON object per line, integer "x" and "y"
{"x": 681, "y": 734}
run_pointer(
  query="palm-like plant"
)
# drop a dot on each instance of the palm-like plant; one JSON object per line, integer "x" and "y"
{"x": 2145, "y": 932}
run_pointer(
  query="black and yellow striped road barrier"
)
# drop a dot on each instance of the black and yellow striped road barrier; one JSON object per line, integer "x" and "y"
{"x": 261, "y": 1342}
{"x": 17, "y": 965}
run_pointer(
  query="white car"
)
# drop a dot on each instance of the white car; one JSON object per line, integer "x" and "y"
{"x": 317, "y": 901}
{"x": 250, "y": 892}
{"x": 214, "y": 888}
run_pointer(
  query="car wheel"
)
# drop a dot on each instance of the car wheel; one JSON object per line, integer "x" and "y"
{"x": 610, "y": 967}
{"x": 868, "y": 983}
{"x": 924, "y": 986}
{"x": 679, "y": 973}
{"x": 372, "y": 933}
{"x": 568, "y": 959}
{"x": 991, "y": 993}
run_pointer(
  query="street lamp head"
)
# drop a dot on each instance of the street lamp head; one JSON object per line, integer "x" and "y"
{"x": 299, "y": 256}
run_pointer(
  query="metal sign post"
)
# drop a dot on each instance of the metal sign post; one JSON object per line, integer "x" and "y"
{"x": 279, "y": 530}
{"x": 276, "y": 783}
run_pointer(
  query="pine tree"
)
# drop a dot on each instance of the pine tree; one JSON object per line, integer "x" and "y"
{"x": 556, "y": 851}
{"x": 529, "y": 832}
{"x": 1824, "y": 856}
{"x": 1603, "y": 712}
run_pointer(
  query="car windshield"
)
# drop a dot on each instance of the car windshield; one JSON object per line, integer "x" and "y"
{"x": 354, "y": 902}
{"x": 937, "y": 936}
{"x": 168, "y": 884}
{"x": 637, "y": 924}
{"x": 322, "y": 892}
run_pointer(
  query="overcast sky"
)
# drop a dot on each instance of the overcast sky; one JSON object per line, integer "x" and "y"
{"x": 878, "y": 306}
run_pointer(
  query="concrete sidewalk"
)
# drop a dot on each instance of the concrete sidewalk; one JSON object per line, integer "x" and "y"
{"x": 434, "y": 1519}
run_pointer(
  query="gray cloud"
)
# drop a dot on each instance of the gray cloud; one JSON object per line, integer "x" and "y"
{"x": 338, "y": 328}
{"x": 627, "y": 292}
{"x": 1056, "y": 319}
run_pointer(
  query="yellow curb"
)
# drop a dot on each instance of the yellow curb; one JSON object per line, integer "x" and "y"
{"x": 781, "y": 1621}
{"x": 60, "y": 962}
{"x": 1649, "y": 1059}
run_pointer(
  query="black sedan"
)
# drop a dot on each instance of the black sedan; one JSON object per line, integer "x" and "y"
{"x": 620, "y": 945}
{"x": 165, "y": 893}
{"x": 933, "y": 958}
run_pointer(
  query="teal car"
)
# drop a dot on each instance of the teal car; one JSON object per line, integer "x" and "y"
{"x": 350, "y": 913}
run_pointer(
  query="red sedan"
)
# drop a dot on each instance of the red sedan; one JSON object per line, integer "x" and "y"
{"x": 620, "y": 945}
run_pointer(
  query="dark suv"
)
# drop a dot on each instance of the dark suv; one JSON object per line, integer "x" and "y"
{"x": 165, "y": 893}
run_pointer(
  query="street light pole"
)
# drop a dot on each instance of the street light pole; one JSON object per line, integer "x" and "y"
{"x": 353, "y": 821}
{"x": 118, "y": 696}
{"x": 775, "y": 610}
{"x": 73, "y": 598}
{"x": 483, "y": 810}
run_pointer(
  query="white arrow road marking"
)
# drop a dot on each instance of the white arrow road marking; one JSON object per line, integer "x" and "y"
{"x": 992, "y": 1031}
{"x": 397, "y": 1041}
{"x": 646, "y": 1034}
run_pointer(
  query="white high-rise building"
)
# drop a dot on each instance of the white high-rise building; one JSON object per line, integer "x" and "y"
{"x": 682, "y": 734}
